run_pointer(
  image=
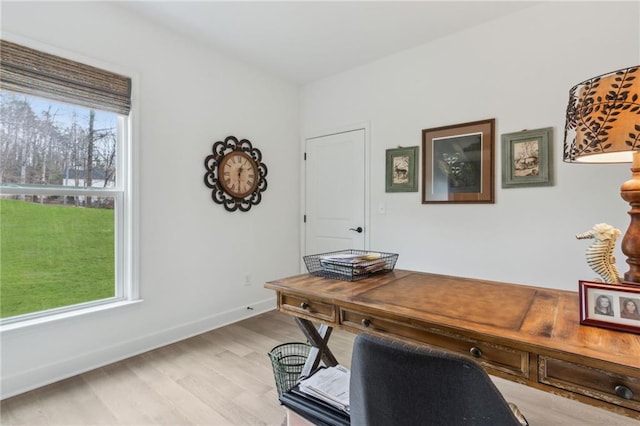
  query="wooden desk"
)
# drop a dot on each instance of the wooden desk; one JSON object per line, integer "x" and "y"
{"x": 525, "y": 334}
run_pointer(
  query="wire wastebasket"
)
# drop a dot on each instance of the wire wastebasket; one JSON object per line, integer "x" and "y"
{"x": 287, "y": 361}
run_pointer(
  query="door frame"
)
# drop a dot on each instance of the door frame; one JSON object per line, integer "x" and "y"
{"x": 367, "y": 182}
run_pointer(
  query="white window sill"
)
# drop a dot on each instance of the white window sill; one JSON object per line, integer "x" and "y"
{"x": 46, "y": 319}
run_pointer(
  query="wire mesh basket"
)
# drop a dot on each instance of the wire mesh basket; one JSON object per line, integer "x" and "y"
{"x": 287, "y": 361}
{"x": 350, "y": 265}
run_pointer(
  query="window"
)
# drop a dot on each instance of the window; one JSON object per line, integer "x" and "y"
{"x": 65, "y": 198}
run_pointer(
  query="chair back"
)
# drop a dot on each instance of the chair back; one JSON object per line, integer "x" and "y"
{"x": 395, "y": 383}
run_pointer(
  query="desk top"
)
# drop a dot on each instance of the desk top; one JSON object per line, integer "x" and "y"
{"x": 540, "y": 318}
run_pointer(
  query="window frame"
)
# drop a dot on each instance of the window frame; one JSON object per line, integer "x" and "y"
{"x": 125, "y": 199}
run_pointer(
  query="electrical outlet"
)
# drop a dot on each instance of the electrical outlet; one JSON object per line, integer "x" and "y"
{"x": 247, "y": 279}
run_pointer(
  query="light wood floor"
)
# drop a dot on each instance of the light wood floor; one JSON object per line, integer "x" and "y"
{"x": 224, "y": 377}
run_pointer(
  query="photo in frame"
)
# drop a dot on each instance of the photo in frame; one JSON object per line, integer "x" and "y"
{"x": 527, "y": 158}
{"x": 402, "y": 170}
{"x": 458, "y": 163}
{"x": 614, "y": 306}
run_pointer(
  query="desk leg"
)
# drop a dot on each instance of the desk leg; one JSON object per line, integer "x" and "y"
{"x": 319, "y": 338}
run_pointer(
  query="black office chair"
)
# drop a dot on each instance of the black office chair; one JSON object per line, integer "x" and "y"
{"x": 395, "y": 383}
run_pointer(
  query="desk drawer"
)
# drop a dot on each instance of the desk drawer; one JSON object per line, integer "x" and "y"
{"x": 489, "y": 355}
{"x": 306, "y": 308}
{"x": 593, "y": 382}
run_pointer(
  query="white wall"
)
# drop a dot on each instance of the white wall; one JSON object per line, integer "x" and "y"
{"x": 193, "y": 254}
{"x": 517, "y": 70}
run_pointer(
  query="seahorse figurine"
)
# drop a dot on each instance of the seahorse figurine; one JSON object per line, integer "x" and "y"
{"x": 600, "y": 253}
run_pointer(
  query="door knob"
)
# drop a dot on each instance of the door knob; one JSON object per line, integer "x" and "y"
{"x": 358, "y": 229}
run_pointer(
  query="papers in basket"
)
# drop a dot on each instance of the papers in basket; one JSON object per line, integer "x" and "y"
{"x": 355, "y": 264}
{"x": 330, "y": 385}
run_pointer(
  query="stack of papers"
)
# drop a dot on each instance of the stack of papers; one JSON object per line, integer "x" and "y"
{"x": 330, "y": 385}
{"x": 353, "y": 264}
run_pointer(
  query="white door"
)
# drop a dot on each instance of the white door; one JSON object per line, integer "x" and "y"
{"x": 335, "y": 192}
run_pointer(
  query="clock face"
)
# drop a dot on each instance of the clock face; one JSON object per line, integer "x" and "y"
{"x": 238, "y": 174}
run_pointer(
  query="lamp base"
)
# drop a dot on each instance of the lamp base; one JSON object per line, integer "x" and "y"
{"x": 630, "y": 192}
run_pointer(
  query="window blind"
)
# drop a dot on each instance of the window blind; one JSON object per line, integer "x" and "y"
{"x": 32, "y": 72}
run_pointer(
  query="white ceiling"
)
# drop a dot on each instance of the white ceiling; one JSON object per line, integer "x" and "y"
{"x": 303, "y": 41}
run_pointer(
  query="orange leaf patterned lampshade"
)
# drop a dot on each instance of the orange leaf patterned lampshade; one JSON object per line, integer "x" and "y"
{"x": 603, "y": 118}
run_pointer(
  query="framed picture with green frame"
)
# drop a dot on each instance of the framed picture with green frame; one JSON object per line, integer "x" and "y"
{"x": 527, "y": 158}
{"x": 402, "y": 170}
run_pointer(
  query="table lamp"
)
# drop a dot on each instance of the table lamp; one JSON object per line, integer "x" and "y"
{"x": 603, "y": 126}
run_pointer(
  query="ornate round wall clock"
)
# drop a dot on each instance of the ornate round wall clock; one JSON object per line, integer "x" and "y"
{"x": 235, "y": 174}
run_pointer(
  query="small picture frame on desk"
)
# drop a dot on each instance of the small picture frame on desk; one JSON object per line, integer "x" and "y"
{"x": 614, "y": 306}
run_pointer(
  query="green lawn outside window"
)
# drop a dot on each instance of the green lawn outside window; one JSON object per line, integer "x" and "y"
{"x": 53, "y": 256}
